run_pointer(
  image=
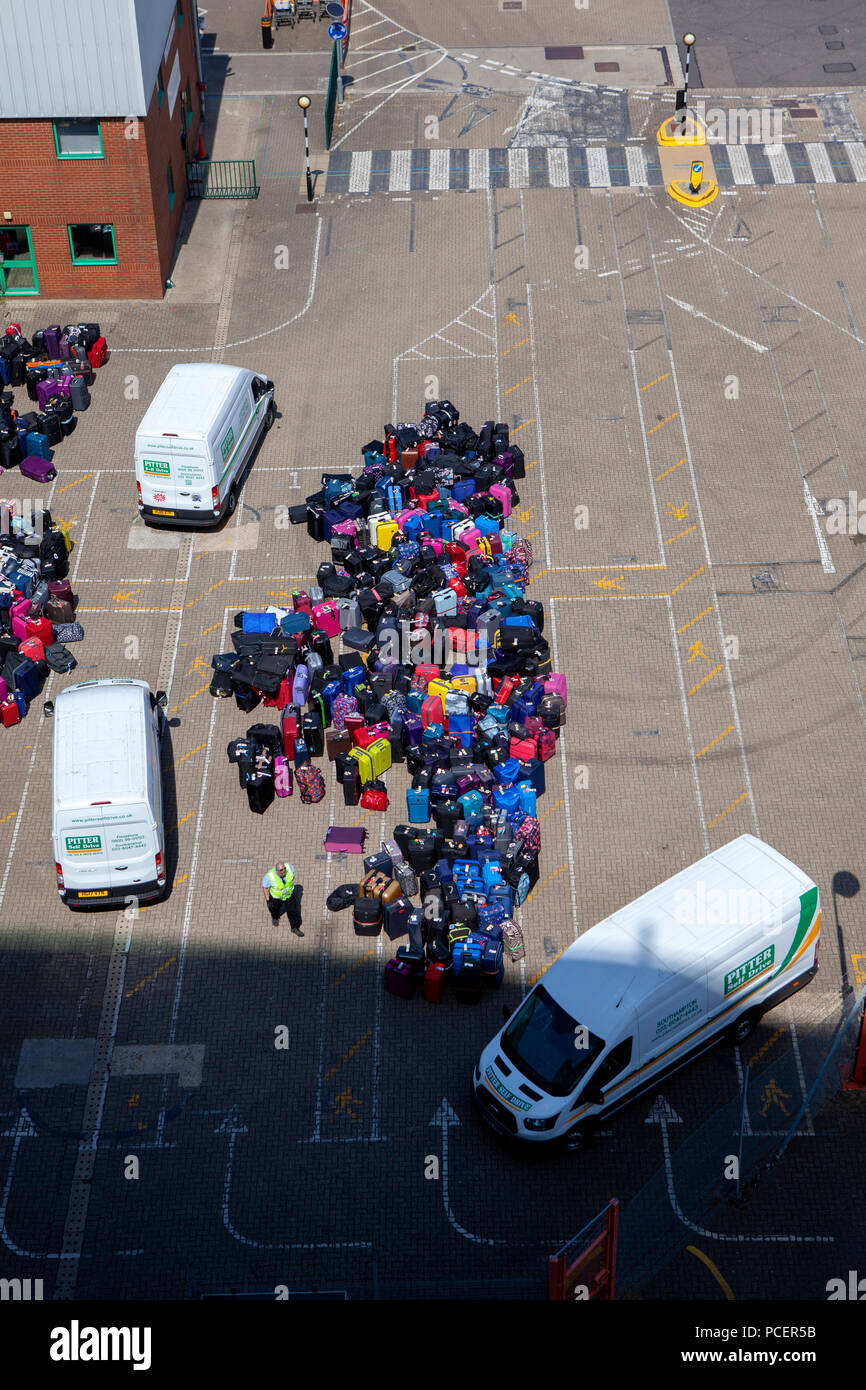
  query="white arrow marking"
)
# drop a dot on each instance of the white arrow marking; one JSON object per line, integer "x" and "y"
{"x": 662, "y": 1115}
{"x": 233, "y": 1125}
{"x": 698, "y": 314}
{"x": 23, "y": 1129}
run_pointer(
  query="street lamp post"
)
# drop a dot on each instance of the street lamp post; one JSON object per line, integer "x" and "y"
{"x": 688, "y": 40}
{"x": 304, "y": 103}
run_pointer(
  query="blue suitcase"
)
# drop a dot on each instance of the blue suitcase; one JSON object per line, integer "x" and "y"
{"x": 528, "y": 798}
{"x": 533, "y": 769}
{"x": 418, "y": 805}
{"x": 262, "y": 623}
{"x": 507, "y": 772}
{"x": 493, "y": 964}
{"x": 352, "y": 677}
{"x": 36, "y": 445}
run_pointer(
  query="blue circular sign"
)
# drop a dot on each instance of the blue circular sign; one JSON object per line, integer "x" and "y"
{"x": 337, "y": 31}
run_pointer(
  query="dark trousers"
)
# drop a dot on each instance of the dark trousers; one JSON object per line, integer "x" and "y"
{"x": 291, "y": 906}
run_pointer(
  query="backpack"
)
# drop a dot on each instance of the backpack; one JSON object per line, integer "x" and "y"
{"x": 311, "y": 783}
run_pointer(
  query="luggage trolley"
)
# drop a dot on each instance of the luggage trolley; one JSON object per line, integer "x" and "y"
{"x": 280, "y": 12}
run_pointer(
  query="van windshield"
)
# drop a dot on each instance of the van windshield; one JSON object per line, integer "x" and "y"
{"x": 549, "y": 1046}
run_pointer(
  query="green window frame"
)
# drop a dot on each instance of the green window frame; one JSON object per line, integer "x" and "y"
{"x": 169, "y": 175}
{"x": 179, "y": 13}
{"x": 26, "y": 264}
{"x": 92, "y": 260}
{"x": 160, "y": 88}
{"x": 61, "y": 154}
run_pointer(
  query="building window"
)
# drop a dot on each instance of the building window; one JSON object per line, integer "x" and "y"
{"x": 188, "y": 111}
{"x": 78, "y": 139}
{"x": 170, "y": 182}
{"x": 92, "y": 243}
{"x": 179, "y": 13}
{"x": 160, "y": 87}
{"x": 17, "y": 262}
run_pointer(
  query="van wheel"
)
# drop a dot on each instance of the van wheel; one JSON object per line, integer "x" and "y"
{"x": 578, "y": 1139}
{"x": 270, "y": 415}
{"x": 231, "y": 502}
{"x": 743, "y": 1029}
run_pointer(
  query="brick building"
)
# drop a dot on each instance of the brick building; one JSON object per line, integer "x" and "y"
{"x": 99, "y": 103}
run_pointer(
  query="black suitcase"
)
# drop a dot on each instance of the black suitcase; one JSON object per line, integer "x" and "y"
{"x": 51, "y": 427}
{"x": 17, "y": 371}
{"x": 470, "y": 982}
{"x": 314, "y": 735}
{"x": 220, "y": 685}
{"x": 246, "y": 698}
{"x": 268, "y": 735}
{"x": 367, "y": 916}
{"x": 260, "y": 792}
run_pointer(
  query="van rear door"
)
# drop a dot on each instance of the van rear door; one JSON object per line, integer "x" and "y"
{"x": 174, "y": 474}
{"x": 131, "y": 845}
{"x": 80, "y": 846}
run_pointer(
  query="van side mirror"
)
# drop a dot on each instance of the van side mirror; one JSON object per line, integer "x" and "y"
{"x": 48, "y": 708}
{"x": 161, "y": 699}
{"x": 593, "y": 1095}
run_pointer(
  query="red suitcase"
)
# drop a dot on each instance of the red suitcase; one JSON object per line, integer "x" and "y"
{"x": 98, "y": 353}
{"x": 289, "y": 725}
{"x": 41, "y": 628}
{"x": 434, "y": 983}
{"x": 33, "y": 649}
{"x": 10, "y": 713}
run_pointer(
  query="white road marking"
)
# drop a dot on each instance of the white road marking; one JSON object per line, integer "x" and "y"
{"x": 518, "y": 168}
{"x": 820, "y": 162}
{"x": 439, "y": 175}
{"x": 479, "y": 168}
{"x": 557, "y": 166}
{"x": 636, "y": 161}
{"x": 359, "y": 174}
{"x": 780, "y": 164}
{"x": 598, "y": 173}
{"x": 856, "y": 158}
{"x": 698, "y": 314}
{"x": 400, "y": 177}
{"x": 740, "y": 166}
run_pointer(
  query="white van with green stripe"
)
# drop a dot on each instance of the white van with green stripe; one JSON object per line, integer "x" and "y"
{"x": 699, "y": 958}
{"x": 196, "y": 440}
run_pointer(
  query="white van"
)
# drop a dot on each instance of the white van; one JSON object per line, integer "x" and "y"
{"x": 107, "y": 822}
{"x": 698, "y": 958}
{"x": 195, "y": 441}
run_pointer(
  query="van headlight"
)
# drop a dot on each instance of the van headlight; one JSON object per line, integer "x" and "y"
{"x": 536, "y": 1123}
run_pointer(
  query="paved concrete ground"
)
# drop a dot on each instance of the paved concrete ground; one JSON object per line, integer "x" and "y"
{"x": 693, "y": 380}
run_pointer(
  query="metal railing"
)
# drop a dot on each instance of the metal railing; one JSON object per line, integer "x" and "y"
{"x": 221, "y": 178}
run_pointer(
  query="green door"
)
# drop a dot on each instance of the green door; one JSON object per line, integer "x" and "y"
{"x": 17, "y": 263}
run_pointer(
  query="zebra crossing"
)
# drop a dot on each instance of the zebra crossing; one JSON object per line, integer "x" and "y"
{"x": 585, "y": 166}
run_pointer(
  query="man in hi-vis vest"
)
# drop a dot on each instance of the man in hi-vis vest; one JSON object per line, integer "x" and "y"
{"x": 278, "y": 886}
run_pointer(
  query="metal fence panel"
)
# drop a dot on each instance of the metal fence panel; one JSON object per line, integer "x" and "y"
{"x": 221, "y": 178}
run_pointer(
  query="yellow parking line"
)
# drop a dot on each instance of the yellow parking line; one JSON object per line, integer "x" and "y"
{"x": 190, "y": 754}
{"x": 692, "y": 621}
{"x": 715, "y": 671}
{"x": 538, "y": 974}
{"x": 548, "y": 811}
{"x": 665, "y": 421}
{"x": 523, "y": 426}
{"x": 554, "y": 875}
{"x": 705, "y": 1259}
{"x": 656, "y": 382}
{"x": 352, "y": 1050}
{"x": 67, "y": 486}
{"x": 513, "y": 346}
{"x": 727, "y": 812}
{"x": 198, "y": 692}
{"x": 346, "y": 973}
{"x": 181, "y": 822}
{"x": 207, "y": 630}
{"x": 692, "y": 576}
{"x": 149, "y": 978}
{"x": 517, "y": 387}
{"x": 10, "y": 816}
{"x": 533, "y": 464}
{"x": 193, "y": 601}
{"x": 727, "y": 731}
{"x": 680, "y": 534}
{"x": 669, "y": 470}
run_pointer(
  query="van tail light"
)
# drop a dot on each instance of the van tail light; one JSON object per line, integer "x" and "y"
{"x": 160, "y": 872}
{"x": 59, "y": 872}
{"x": 140, "y": 496}
{"x": 215, "y": 495}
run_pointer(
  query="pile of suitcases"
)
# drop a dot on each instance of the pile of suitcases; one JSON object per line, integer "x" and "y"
{"x": 57, "y": 369}
{"x": 37, "y": 608}
{"x": 447, "y": 671}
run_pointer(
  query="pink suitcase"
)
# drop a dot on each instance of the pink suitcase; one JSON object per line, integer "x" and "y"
{"x": 400, "y": 979}
{"x": 504, "y": 494}
{"x": 346, "y": 528}
{"x": 18, "y": 614}
{"x": 282, "y": 776}
{"x": 556, "y": 685}
{"x": 3, "y": 690}
{"x": 326, "y": 617}
{"x": 470, "y": 537}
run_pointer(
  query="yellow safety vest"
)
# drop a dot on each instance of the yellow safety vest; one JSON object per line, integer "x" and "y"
{"x": 278, "y": 888}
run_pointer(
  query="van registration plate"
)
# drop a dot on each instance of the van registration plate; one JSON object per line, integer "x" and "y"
{"x": 160, "y": 511}
{"x": 95, "y": 893}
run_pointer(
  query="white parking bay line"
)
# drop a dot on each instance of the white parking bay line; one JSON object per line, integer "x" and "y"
{"x": 360, "y": 171}
{"x": 557, "y": 166}
{"x": 400, "y": 179}
{"x": 440, "y": 169}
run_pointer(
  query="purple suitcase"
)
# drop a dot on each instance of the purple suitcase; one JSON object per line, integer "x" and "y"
{"x": 52, "y": 340}
{"x": 65, "y": 349}
{"x": 342, "y": 839}
{"x": 400, "y": 979}
{"x": 40, "y": 470}
{"x": 53, "y": 386}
